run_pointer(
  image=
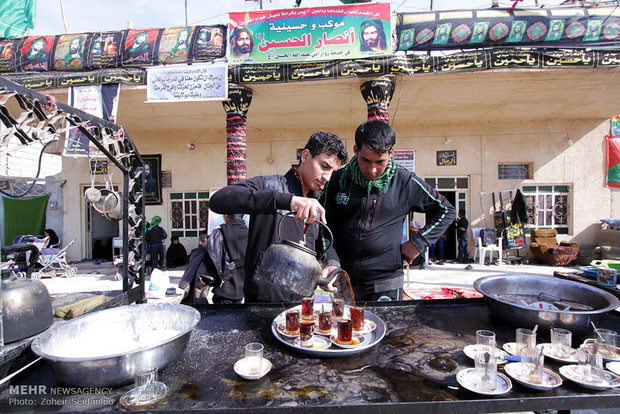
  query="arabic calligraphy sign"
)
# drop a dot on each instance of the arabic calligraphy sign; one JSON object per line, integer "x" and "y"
{"x": 406, "y": 158}
{"x": 446, "y": 158}
{"x": 185, "y": 83}
{"x": 556, "y": 27}
{"x": 306, "y": 34}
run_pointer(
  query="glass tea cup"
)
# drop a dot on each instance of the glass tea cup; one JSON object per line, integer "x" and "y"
{"x": 306, "y": 334}
{"x": 590, "y": 365}
{"x": 338, "y": 308}
{"x": 532, "y": 364}
{"x": 357, "y": 317}
{"x": 525, "y": 338}
{"x": 561, "y": 342}
{"x": 145, "y": 379}
{"x": 307, "y": 308}
{"x": 485, "y": 341}
{"x": 486, "y": 371}
{"x": 292, "y": 321}
{"x": 345, "y": 331}
{"x": 606, "y": 340}
{"x": 325, "y": 321}
{"x": 254, "y": 357}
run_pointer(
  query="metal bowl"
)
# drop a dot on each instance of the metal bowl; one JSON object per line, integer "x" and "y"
{"x": 519, "y": 315}
{"x": 104, "y": 348}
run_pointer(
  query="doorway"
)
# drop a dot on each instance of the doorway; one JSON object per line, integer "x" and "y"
{"x": 99, "y": 232}
{"x": 451, "y": 246}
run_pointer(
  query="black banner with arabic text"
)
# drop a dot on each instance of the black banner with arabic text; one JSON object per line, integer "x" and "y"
{"x": 479, "y": 60}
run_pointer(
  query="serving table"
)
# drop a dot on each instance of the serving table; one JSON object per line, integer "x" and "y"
{"x": 414, "y": 367}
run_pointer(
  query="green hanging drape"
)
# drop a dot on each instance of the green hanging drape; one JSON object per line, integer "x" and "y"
{"x": 23, "y": 216}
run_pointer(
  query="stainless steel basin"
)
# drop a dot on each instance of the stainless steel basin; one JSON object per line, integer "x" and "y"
{"x": 105, "y": 348}
{"x": 520, "y": 315}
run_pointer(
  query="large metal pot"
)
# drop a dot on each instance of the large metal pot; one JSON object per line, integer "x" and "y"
{"x": 105, "y": 348}
{"x": 496, "y": 288}
{"x": 26, "y": 308}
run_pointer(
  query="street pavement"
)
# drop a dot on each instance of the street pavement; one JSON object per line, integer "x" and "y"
{"x": 93, "y": 277}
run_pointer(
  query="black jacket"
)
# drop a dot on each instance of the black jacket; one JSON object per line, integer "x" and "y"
{"x": 368, "y": 230}
{"x": 462, "y": 234}
{"x": 267, "y": 199}
{"x": 156, "y": 235}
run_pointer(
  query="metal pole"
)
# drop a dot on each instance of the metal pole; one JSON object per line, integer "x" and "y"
{"x": 64, "y": 18}
{"x": 186, "y": 13}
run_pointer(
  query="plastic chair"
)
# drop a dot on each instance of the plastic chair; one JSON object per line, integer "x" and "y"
{"x": 482, "y": 249}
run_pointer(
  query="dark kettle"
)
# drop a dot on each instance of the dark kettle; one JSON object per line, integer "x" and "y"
{"x": 292, "y": 267}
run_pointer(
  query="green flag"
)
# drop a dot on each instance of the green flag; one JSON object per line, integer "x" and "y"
{"x": 16, "y": 16}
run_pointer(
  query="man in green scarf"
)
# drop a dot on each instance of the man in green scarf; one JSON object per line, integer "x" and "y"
{"x": 366, "y": 204}
{"x": 155, "y": 238}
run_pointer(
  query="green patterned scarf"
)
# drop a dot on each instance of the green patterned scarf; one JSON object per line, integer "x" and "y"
{"x": 352, "y": 172}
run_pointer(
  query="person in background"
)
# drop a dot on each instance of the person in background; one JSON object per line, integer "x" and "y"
{"x": 226, "y": 249}
{"x": 463, "y": 238}
{"x": 366, "y": 204}
{"x": 195, "y": 282}
{"x": 268, "y": 198}
{"x": 438, "y": 251}
{"x": 155, "y": 238}
{"x": 53, "y": 241}
{"x": 420, "y": 260}
{"x": 176, "y": 255}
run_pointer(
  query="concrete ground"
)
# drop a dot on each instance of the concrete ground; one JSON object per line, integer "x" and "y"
{"x": 92, "y": 277}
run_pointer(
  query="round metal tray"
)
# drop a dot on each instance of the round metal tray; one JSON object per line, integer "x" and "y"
{"x": 372, "y": 338}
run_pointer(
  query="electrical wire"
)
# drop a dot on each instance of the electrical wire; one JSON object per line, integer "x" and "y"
{"x": 34, "y": 181}
{"x": 400, "y": 94}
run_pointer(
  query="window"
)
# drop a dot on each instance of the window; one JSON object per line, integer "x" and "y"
{"x": 506, "y": 171}
{"x": 448, "y": 183}
{"x": 548, "y": 206}
{"x": 190, "y": 213}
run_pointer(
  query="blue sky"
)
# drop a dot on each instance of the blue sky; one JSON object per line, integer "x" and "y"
{"x": 107, "y": 15}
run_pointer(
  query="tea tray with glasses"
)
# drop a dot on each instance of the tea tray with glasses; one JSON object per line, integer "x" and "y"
{"x": 369, "y": 337}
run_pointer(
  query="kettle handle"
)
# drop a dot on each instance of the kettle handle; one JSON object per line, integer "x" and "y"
{"x": 331, "y": 235}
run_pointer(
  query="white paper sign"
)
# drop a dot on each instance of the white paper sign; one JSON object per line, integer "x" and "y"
{"x": 186, "y": 83}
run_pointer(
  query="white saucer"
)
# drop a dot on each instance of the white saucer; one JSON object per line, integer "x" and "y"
{"x": 241, "y": 369}
{"x": 369, "y": 326}
{"x": 358, "y": 339}
{"x": 467, "y": 378}
{"x": 550, "y": 379}
{"x": 573, "y": 373}
{"x": 473, "y": 349}
{"x": 510, "y": 347}
{"x": 282, "y": 330}
{"x": 548, "y": 350}
{"x": 318, "y": 343}
{"x": 128, "y": 400}
{"x": 613, "y": 366}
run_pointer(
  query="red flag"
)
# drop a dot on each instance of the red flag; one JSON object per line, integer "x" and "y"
{"x": 612, "y": 178}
